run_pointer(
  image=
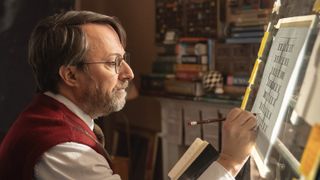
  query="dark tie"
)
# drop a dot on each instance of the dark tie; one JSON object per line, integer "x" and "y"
{"x": 100, "y": 136}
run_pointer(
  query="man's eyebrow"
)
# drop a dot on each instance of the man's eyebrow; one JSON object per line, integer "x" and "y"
{"x": 113, "y": 54}
{"x": 110, "y": 55}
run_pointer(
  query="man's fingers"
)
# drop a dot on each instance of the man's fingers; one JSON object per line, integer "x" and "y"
{"x": 250, "y": 123}
{"x": 242, "y": 118}
{"x": 233, "y": 114}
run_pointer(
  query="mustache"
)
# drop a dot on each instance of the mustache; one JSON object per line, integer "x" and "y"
{"x": 122, "y": 85}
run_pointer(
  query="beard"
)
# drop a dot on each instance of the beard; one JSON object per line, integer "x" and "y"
{"x": 98, "y": 103}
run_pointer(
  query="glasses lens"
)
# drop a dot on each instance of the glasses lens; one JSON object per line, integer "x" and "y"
{"x": 118, "y": 64}
{"x": 119, "y": 59}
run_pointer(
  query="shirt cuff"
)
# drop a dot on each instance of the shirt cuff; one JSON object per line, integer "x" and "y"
{"x": 216, "y": 171}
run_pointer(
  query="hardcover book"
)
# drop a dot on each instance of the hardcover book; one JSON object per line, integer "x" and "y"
{"x": 194, "y": 161}
{"x": 183, "y": 87}
{"x": 191, "y": 67}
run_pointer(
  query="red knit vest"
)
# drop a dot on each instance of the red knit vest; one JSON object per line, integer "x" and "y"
{"x": 44, "y": 124}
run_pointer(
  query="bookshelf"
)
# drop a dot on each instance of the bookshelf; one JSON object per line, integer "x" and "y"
{"x": 179, "y": 67}
{"x": 192, "y": 18}
{"x": 221, "y": 29}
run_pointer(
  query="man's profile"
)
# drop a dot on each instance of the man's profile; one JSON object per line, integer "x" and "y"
{"x": 82, "y": 71}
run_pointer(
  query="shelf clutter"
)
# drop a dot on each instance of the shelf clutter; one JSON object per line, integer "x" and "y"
{"x": 205, "y": 48}
{"x": 210, "y": 55}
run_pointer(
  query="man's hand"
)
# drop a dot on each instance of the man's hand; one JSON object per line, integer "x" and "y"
{"x": 238, "y": 139}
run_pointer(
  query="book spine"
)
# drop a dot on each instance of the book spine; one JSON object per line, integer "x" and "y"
{"x": 184, "y": 87}
{"x": 251, "y": 23}
{"x": 167, "y": 58}
{"x": 191, "y": 67}
{"x": 192, "y": 39}
{"x": 244, "y": 40}
{"x": 188, "y": 75}
{"x": 194, "y": 59}
{"x": 166, "y": 49}
{"x": 247, "y": 34}
{"x": 237, "y": 80}
{"x": 234, "y": 90}
{"x": 239, "y": 29}
{"x": 163, "y": 67}
{"x": 211, "y": 53}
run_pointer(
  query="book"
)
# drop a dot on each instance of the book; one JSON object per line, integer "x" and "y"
{"x": 192, "y": 46}
{"x": 154, "y": 81}
{"x": 194, "y": 161}
{"x": 189, "y": 75}
{"x": 237, "y": 80}
{"x": 234, "y": 29}
{"x": 194, "y": 59}
{"x": 253, "y": 16}
{"x": 166, "y": 49}
{"x": 191, "y": 67}
{"x": 163, "y": 67}
{"x": 167, "y": 58}
{"x": 244, "y": 40}
{"x": 234, "y": 90}
{"x": 247, "y": 34}
{"x": 183, "y": 87}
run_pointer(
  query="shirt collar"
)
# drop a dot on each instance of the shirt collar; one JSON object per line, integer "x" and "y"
{"x": 75, "y": 109}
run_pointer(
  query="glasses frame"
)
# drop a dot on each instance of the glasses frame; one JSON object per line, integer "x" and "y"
{"x": 117, "y": 61}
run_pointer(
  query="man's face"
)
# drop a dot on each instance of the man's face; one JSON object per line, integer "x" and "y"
{"x": 102, "y": 90}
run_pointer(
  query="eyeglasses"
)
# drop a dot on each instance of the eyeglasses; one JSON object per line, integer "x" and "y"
{"x": 117, "y": 62}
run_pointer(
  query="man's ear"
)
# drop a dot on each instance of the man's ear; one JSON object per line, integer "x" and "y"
{"x": 68, "y": 75}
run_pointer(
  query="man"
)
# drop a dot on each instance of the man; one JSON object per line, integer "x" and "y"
{"x": 81, "y": 69}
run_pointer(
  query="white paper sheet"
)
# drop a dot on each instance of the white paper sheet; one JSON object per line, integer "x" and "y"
{"x": 276, "y": 85}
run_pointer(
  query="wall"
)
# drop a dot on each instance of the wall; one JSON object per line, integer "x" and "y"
{"x": 138, "y": 18}
{"x": 139, "y": 21}
{"x": 17, "y": 19}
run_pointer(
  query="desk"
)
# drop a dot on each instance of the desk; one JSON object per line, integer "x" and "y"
{"x": 176, "y": 135}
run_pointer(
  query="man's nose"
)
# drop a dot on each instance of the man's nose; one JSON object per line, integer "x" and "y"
{"x": 126, "y": 72}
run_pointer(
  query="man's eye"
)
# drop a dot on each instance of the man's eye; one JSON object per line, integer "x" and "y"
{"x": 113, "y": 63}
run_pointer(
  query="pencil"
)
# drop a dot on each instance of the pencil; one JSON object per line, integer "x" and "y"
{"x": 192, "y": 123}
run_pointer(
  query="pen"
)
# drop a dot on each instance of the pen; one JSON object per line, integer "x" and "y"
{"x": 192, "y": 123}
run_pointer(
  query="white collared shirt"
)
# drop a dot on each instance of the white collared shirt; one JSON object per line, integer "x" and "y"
{"x": 216, "y": 172}
{"x": 73, "y": 160}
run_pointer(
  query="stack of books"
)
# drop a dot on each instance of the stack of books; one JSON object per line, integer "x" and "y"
{"x": 235, "y": 85}
{"x": 179, "y": 67}
{"x": 246, "y": 34}
{"x": 163, "y": 68}
{"x": 194, "y": 58}
{"x": 247, "y": 20}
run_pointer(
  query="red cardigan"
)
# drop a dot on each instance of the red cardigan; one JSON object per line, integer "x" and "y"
{"x": 42, "y": 125}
